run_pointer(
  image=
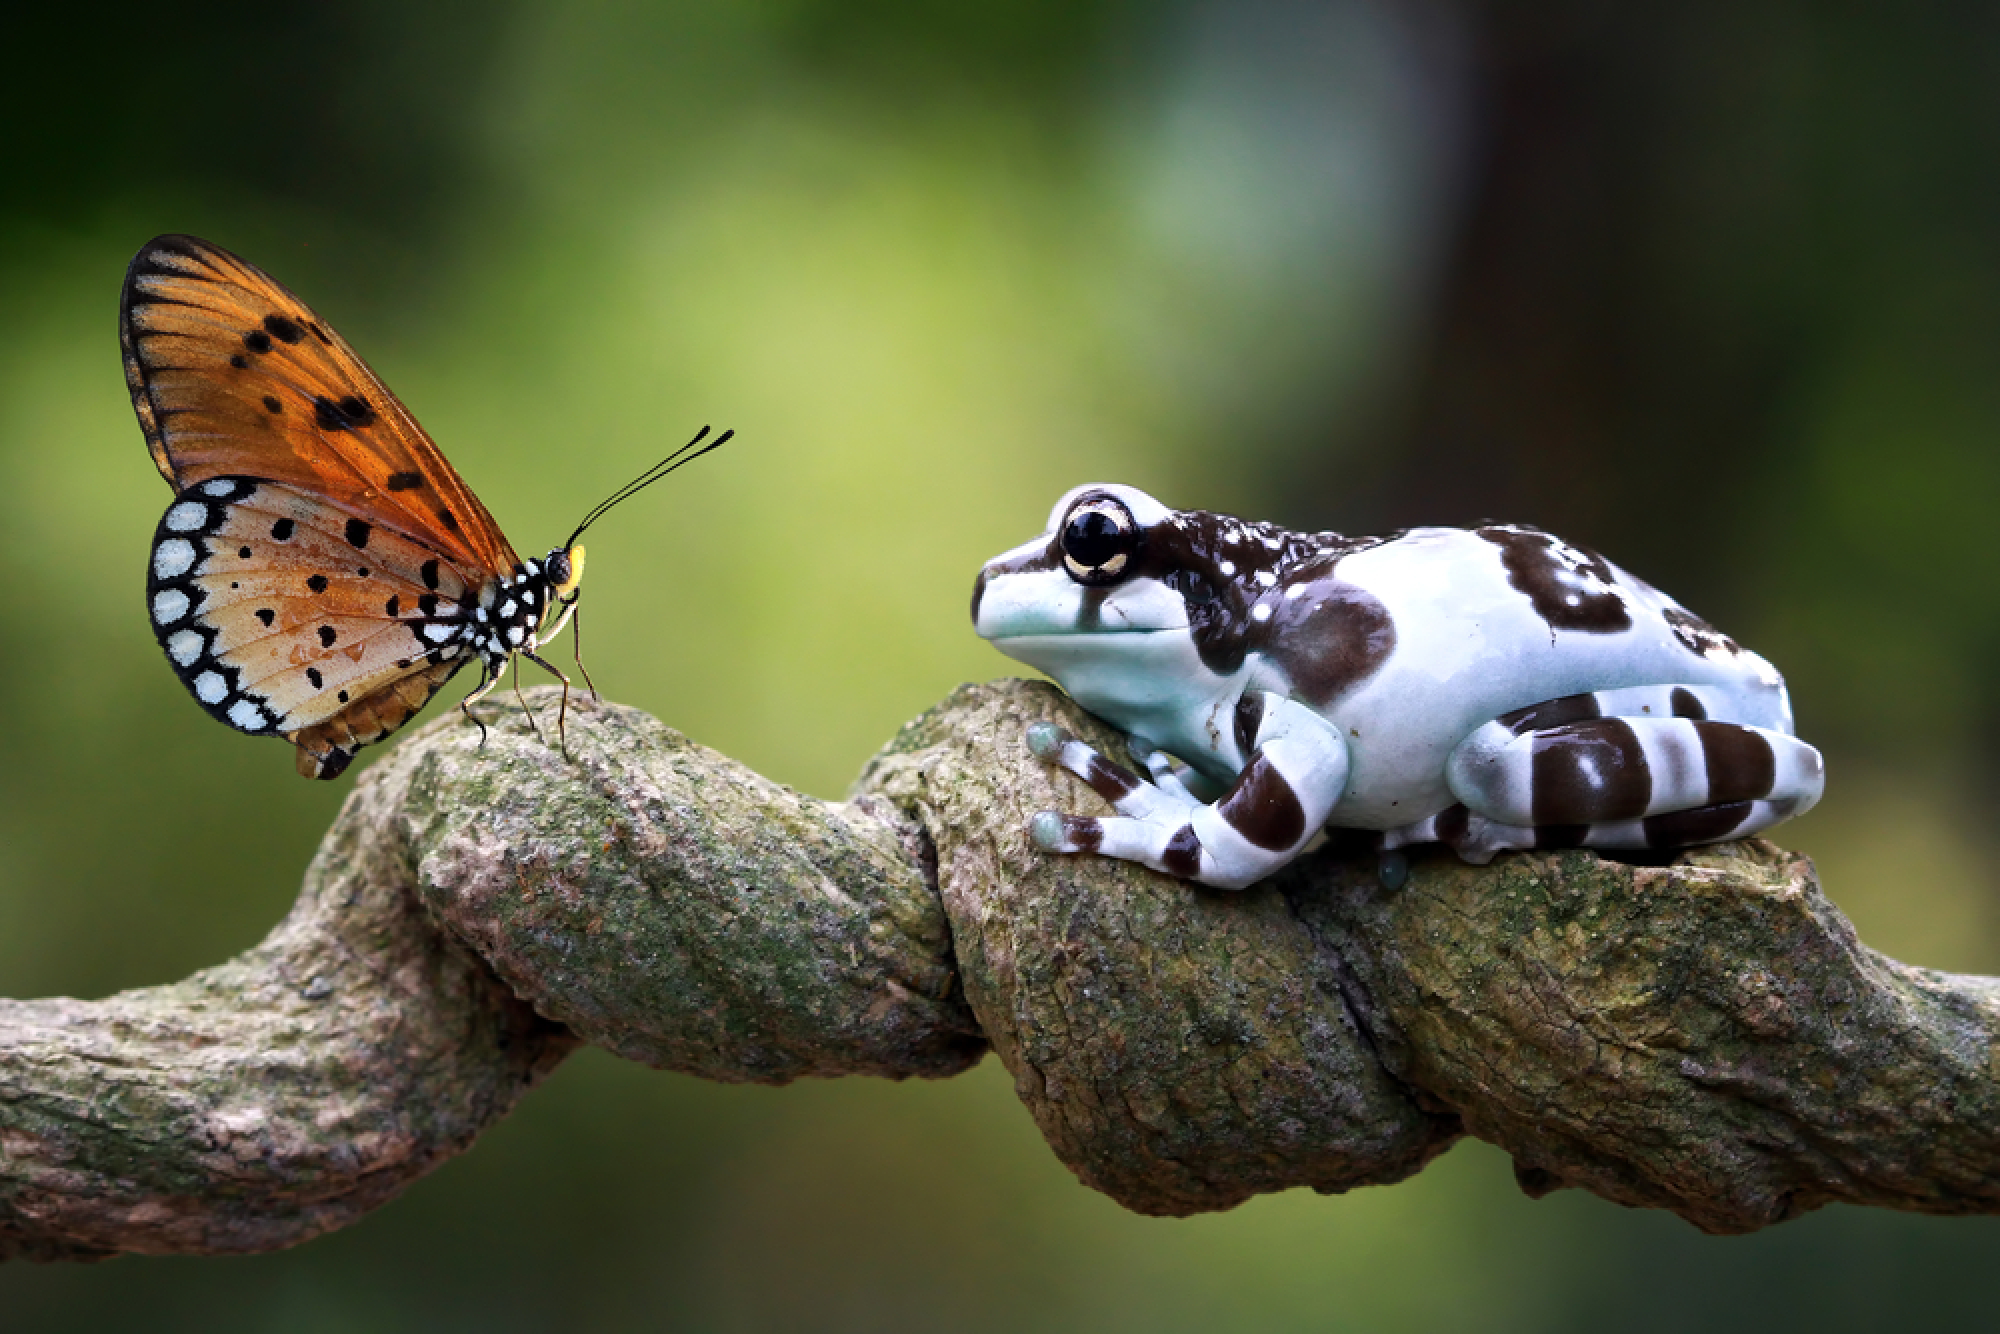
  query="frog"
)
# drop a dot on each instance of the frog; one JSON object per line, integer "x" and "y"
{"x": 1489, "y": 689}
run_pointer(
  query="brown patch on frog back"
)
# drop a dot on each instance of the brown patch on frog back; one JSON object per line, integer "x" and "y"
{"x": 1698, "y": 636}
{"x": 1569, "y": 587}
{"x": 1328, "y": 639}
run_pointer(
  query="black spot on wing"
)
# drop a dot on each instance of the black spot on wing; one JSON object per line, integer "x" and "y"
{"x": 317, "y": 583}
{"x": 430, "y": 574}
{"x": 239, "y": 361}
{"x": 428, "y": 604}
{"x": 448, "y": 519}
{"x": 357, "y": 533}
{"x": 327, "y": 635}
{"x": 282, "y": 329}
{"x": 394, "y": 606}
{"x": 348, "y": 414}
{"x": 282, "y": 530}
{"x": 405, "y": 481}
{"x": 257, "y": 341}
{"x": 272, "y": 405}
{"x": 312, "y": 675}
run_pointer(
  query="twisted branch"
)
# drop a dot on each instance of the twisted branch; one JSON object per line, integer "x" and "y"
{"x": 1707, "y": 1037}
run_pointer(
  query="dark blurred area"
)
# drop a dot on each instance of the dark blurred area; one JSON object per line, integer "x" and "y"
{"x": 1710, "y": 287}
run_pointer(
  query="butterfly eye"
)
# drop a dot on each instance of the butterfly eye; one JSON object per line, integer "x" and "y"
{"x": 1098, "y": 541}
{"x": 565, "y": 571}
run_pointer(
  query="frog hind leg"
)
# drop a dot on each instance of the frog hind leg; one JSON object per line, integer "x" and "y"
{"x": 1649, "y": 767}
{"x": 1295, "y": 772}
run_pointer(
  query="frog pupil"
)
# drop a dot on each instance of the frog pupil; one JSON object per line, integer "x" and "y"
{"x": 1092, "y": 538}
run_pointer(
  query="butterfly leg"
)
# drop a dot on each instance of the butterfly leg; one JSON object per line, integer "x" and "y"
{"x": 487, "y": 680}
{"x": 573, "y": 618}
{"x": 576, "y": 642}
{"x": 522, "y": 700}
{"x": 562, "y": 714}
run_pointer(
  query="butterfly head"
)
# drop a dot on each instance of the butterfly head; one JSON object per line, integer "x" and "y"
{"x": 564, "y": 569}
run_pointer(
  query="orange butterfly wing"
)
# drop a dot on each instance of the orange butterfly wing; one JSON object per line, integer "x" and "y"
{"x": 232, "y": 375}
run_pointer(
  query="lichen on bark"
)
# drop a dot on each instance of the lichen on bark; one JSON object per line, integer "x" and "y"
{"x": 1707, "y": 1037}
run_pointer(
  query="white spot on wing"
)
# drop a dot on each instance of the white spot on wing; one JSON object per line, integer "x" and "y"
{"x": 514, "y": 634}
{"x": 169, "y": 605}
{"x": 437, "y": 632}
{"x": 219, "y": 487}
{"x": 1261, "y": 612}
{"x": 172, "y": 558}
{"x": 187, "y": 516}
{"x": 184, "y": 646}
{"x": 209, "y": 687}
{"x": 247, "y": 716}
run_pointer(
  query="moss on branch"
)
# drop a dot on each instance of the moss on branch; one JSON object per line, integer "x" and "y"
{"x": 1707, "y": 1037}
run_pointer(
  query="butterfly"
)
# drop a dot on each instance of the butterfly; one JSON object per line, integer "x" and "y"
{"x": 322, "y": 570}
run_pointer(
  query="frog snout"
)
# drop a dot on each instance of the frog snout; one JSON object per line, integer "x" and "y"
{"x": 978, "y": 592}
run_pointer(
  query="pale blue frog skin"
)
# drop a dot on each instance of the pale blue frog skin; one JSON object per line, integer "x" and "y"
{"x": 1492, "y": 688}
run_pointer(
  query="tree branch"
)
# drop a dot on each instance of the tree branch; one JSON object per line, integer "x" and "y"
{"x": 1707, "y": 1037}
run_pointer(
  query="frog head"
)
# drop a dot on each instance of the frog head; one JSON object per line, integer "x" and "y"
{"x": 1112, "y": 600}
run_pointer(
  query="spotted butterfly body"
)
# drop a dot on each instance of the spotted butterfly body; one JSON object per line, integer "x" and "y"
{"x": 322, "y": 570}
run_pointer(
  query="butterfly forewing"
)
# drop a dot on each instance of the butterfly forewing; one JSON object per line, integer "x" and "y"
{"x": 232, "y": 375}
{"x": 285, "y": 614}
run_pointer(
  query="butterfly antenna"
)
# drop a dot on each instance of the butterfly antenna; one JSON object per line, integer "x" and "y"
{"x": 680, "y": 458}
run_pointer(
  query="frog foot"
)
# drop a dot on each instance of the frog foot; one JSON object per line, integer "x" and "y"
{"x": 1296, "y": 771}
{"x": 1154, "y": 824}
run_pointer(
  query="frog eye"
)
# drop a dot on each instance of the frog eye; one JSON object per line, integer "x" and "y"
{"x": 1098, "y": 540}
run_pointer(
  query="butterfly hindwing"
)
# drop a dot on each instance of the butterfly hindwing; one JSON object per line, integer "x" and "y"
{"x": 232, "y": 375}
{"x": 285, "y": 615}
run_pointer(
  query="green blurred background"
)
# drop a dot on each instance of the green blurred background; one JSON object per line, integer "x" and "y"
{"x": 1714, "y": 287}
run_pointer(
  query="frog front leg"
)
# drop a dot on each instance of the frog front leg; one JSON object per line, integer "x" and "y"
{"x": 1296, "y": 770}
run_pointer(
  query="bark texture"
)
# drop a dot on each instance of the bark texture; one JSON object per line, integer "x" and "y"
{"x": 1707, "y": 1037}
